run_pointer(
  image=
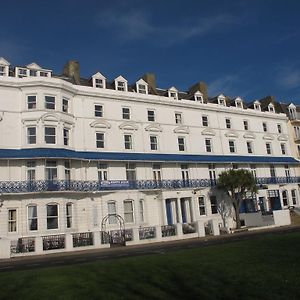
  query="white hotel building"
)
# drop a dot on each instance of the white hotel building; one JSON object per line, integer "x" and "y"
{"x": 81, "y": 159}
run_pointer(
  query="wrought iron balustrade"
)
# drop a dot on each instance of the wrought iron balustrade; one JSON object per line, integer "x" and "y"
{"x": 23, "y": 245}
{"x": 83, "y": 239}
{"x": 168, "y": 230}
{"x": 110, "y": 185}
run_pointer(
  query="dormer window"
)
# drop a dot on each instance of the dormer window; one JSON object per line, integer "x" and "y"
{"x": 44, "y": 74}
{"x": 4, "y": 67}
{"x": 198, "y": 97}
{"x": 292, "y": 111}
{"x": 271, "y": 108}
{"x": 99, "y": 81}
{"x": 238, "y": 102}
{"x": 2, "y": 71}
{"x": 33, "y": 73}
{"x": 34, "y": 70}
{"x": 142, "y": 87}
{"x": 257, "y": 105}
{"x": 173, "y": 93}
{"x": 22, "y": 73}
{"x": 121, "y": 84}
{"x": 221, "y": 100}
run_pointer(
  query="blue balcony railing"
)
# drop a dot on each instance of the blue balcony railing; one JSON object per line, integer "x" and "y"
{"x": 109, "y": 185}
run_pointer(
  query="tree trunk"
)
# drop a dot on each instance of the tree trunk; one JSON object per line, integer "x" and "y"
{"x": 237, "y": 218}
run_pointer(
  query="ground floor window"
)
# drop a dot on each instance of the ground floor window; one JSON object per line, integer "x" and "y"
{"x": 285, "y": 198}
{"x": 142, "y": 217}
{"x": 69, "y": 215}
{"x": 202, "y": 207}
{"x": 32, "y": 217}
{"x": 128, "y": 211}
{"x": 52, "y": 216}
{"x": 12, "y": 220}
{"x": 294, "y": 197}
{"x": 214, "y": 204}
{"x": 112, "y": 210}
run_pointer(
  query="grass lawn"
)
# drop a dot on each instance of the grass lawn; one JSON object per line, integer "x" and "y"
{"x": 262, "y": 268}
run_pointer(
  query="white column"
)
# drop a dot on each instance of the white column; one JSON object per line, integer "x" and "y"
{"x": 178, "y": 210}
{"x": 215, "y": 227}
{"x": 39, "y": 245}
{"x": 97, "y": 239}
{"x": 4, "y": 248}
{"x": 136, "y": 236}
{"x": 69, "y": 242}
{"x": 165, "y": 220}
{"x": 200, "y": 228}
{"x": 158, "y": 232}
{"x": 179, "y": 230}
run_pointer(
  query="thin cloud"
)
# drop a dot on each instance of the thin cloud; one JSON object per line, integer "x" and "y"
{"x": 289, "y": 76}
{"x": 138, "y": 25}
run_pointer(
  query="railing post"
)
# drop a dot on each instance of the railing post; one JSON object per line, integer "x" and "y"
{"x": 200, "y": 228}
{"x": 69, "y": 241}
{"x": 179, "y": 230}
{"x": 136, "y": 235}
{"x": 39, "y": 245}
{"x": 158, "y": 232}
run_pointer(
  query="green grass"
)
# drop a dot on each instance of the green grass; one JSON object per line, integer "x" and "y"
{"x": 262, "y": 268}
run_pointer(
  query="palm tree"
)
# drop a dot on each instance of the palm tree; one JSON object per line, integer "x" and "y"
{"x": 237, "y": 183}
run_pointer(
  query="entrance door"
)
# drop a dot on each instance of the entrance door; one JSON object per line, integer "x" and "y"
{"x": 169, "y": 212}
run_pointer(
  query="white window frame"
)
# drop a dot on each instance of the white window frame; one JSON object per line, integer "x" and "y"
{"x": 228, "y": 124}
{"x": 50, "y": 102}
{"x": 126, "y": 115}
{"x": 249, "y": 145}
{"x": 128, "y": 141}
{"x": 279, "y": 128}
{"x": 205, "y": 122}
{"x": 283, "y": 148}
{"x": 178, "y": 118}
{"x": 208, "y": 145}
{"x": 102, "y": 169}
{"x": 98, "y": 110}
{"x": 66, "y": 136}
{"x": 12, "y": 219}
{"x": 151, "y": 118}
{"x": 49, "y": 217}
{"x": 181, "y": 143}
{"x": 30, "y": 136}
{"x": 128, "y": 212}
{"x": 202, "y": 206}
{"x": 265, "y": 126}
{"x": 269, "y": 148}
{"x": 246, "y": 125}
{"x": 69, "y": 215}
{"x": 100, "y": 140}
{"x": 50, "y": 136}
{"x": 153, "y": 142}
{"x": 31, "y": 104}
{"x": 232, "y": 146}
{"x": 33, "y": 218}
{"x": 65, "y": 105}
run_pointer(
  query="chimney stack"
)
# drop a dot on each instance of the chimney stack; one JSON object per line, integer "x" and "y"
{"x": 150, "y": 79}
{"x": 201, "y": 87}
{"x": 72, "y": 70}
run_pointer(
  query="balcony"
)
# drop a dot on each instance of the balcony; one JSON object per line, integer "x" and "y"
{"x": 7, "y": 187}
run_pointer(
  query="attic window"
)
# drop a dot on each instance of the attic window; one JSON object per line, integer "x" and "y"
{"x": 257, "y": 106}
{"x": 238, "y": 104}
{"x": 198, "y": 97}
{"x": 99, "y": 83}
{"x": 292, "y": 112}
{"x": 221, "y": 101}
{"x": 22, "y": 73}
{"x": 33, "y": 73}
{"x": 44, "y": 74}
{"x": 142, "y": 88}
{"x": 2, "y": 71}
{"x": 271, "y": 108}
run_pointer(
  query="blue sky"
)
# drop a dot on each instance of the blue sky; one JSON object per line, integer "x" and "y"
{"x": 240, "y": 48}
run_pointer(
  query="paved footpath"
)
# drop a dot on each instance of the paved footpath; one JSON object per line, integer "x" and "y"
{"x": 161, "y": 248}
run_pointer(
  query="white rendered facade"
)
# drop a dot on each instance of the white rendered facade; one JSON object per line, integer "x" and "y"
{"x": 74, "y": 155}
